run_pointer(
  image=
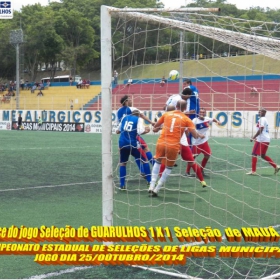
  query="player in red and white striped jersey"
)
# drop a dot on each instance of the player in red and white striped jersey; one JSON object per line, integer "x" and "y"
{"x": 262, "y": 140}
{"x": 200, "y": 145}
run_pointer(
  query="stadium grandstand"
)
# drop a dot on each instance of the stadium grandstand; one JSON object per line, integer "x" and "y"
{"x": 234, "y": 93}
{"x": 54, "y": 98}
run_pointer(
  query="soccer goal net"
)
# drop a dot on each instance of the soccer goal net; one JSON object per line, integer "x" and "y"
{"x": 234, "y": 64}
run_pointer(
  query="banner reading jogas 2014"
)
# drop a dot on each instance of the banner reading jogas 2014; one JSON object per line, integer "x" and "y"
{"x": 233, "y": 123}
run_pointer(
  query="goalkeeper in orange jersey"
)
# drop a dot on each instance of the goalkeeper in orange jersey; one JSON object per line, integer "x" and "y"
{"x": 168, "y": 145}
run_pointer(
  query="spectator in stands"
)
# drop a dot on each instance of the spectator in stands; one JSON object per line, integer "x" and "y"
{"x": 19, "y": 122}
{"x": 71, "y": 104}
{"x": 12, "y": 86}
{"x": 33, "y": 88}
{"x": 70, "y": 80}
{"x": 84, "y": 83}
{"x": 87, "y": 83}
{"x": 3, "y": 98}
{"x": 129, "y": 82}
{"x": 22, "y": 83}
{"x": 28, "y": 85}
{"x": 79, "y": 85}
{"x": 163, "y": 81}
{"x": 254, "y": 90}
{"x": 40, "y": 93}
{"x": 11, "y": 89}
{"x": 116, "y": 74}
{"x": 10, "y": 93}
{"x": 41, "y": 86}
{"x": 48, "y": 84}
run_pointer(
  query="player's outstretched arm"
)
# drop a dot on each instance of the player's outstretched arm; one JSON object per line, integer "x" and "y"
{"x": 147, "y": 130}
{"x": 157, "y": 129}
{"x": 147, "y": 119}
{"x": 217, "y": 122}
{"x": 190, "y": 112}
{"x": 158, "y": 125}
{"x": 195, "y": 134}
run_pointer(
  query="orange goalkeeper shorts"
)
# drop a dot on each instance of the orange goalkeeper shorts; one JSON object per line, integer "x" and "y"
{"x": 167, "y": 155}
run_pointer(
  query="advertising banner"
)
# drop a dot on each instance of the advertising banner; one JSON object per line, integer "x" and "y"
{"x": 233, "y": 123}
{"x": 49, "y": 126}
{"x": 4, "y": 125}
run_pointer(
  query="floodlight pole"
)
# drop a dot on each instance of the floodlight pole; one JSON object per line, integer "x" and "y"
{"x": 17, "y": 76}
{"x": 16, "y": 38}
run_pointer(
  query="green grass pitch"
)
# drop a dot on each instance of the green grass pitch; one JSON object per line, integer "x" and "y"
{"x": 55, "y": 179}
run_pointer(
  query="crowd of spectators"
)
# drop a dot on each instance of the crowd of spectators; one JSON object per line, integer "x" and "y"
{"x": 8, "y": 89}
{"x": 24, "y": 85}
{"x": 38, "y": 86}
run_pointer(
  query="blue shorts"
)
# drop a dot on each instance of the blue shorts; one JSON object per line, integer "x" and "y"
{"x": 125, "y": 152}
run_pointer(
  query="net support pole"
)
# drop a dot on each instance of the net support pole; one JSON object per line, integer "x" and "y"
{"x": 106, "y": 89}
{"x": 181, "y": 63}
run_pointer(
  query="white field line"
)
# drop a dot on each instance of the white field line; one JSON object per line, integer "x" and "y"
{"x": 48, "y": 148}
{"x": 50, "y": 186}
{"x": 81, "y": 147}
{"x": 60, "y": 272}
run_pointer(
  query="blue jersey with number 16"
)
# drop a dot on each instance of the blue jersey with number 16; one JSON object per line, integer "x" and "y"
{"x": 128, "y": 129}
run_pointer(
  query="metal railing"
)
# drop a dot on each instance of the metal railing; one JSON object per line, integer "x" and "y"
{"x": 54, "y": 102}
{"x": 210, "y": 101}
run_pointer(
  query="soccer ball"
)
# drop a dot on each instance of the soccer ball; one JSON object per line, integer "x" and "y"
{"x": 173, "y": 75}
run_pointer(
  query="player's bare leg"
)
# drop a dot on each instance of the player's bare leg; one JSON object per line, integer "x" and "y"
{"x": 204, "y": 162}
{"x": 254, "y": 166}
{"x": 155, "y": 173}
{"x": 272, "y": 163}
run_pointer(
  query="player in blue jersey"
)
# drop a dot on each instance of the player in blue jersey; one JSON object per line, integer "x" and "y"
{"x": 129, "y": 129}
{"x": 193, "y": 101}
{"x": 188, "y": 83}
{"x": 127, "y": 109}
{"x": 193, "y": 105}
